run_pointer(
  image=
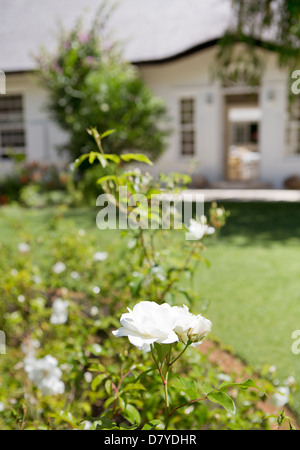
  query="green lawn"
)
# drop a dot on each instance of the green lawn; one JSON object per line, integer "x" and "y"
{"x": 252, "y": 287}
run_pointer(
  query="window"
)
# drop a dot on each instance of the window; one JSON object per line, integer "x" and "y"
{"x": 187, "y": 131}
{"x": 293, "y": 128}
{"x": 12, "y": 132}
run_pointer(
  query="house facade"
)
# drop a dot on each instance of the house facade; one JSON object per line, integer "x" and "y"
{"x": 235, "y": 134}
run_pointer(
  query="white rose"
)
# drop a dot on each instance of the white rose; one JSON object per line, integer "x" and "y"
{"x": 59, "y": 267}
{"x": 190, "y": 327}
{"x": 100, "y": 256}
{"x": 149, "y": 322}
{"x": 281, "y": 396}
{"x": 23, "y": 247}
{"x": 45, "y": 374}
{"x": 59, "y": 311}
{"x": 198, "y": 229}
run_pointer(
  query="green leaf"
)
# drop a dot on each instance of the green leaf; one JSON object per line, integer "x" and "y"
{"x": 112, "y": 157}
{"x": 205, "y": 388}
{"x": 134, "y": 386}
{"x": 132, "y": 414}
{"x": 162, "y": 350}
{"x": 222, "y": 399}
{"x": 245, "y": 385}
{"x": 107, "y": 178}
{"x": 106, "y": 424}
{"x": 66, "y": 417}
{"x": 102, "y": 160}
{"x": 189, "y": 387}
{"x": 136, "y": 157}
{"x": 152, "y": 425}
{"x": 143, "y": 374}
{"x": 80, "y": 160}
{"x": 97, "y": 380}
{"x": 106, "y": 133}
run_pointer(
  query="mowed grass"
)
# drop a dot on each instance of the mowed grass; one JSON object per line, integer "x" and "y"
{"x": 251, "y": 289}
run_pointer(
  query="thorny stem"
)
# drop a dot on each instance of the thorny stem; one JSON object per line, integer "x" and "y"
{"x": 188, "y": 403}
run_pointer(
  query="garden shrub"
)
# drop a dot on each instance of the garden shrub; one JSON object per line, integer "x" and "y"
{"x": 65, "y": 369}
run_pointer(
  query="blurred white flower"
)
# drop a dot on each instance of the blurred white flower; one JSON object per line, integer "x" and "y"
{"x": 96, "y": 289}
{"x": 23, "y": 247}
{"x": 81, "y": 232}
{"x": 97, "y": 348}
{"x": 94, "y": 311}
{"x": 199, "y": 228}
{"x": 148, "y": 322}
{"x": 45, "y": 374}
{"x": 59, "y": 311}
{"x": 88, "y": 377}
{"x": 190, "y": 327}
{"x": 100, "y": 256}
{"x": 21, "y": 298}
{"x": 29, "y": 346}
{"x": 36, "y": 279}
{"x": 59, "y": 267}
{"x": 281, "y": 396}
{"x": 75, "y": 275}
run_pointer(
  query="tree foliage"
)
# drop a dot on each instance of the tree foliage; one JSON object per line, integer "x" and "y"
{"x": 269, "y": 24}
{"x": 90, "y": 84}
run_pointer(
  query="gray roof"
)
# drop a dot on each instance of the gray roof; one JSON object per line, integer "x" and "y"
{"x": 149, "y": 29}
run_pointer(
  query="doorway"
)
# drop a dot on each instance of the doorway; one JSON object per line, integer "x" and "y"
{"x": 242, "y": 126}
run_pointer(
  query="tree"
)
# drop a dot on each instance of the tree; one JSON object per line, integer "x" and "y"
{"x": 269, "y": 24}
{"x": 90, "y": 85}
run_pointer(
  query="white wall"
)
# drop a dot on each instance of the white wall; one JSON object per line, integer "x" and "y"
{"x": 190, "y": 77}
{"x": 276, "y": 163}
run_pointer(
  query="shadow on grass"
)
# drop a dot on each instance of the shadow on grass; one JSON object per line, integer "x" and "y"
{"x": 261, "y": 222}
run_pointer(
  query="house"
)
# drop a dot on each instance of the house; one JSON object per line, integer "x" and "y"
{"x": 236, "y": 133}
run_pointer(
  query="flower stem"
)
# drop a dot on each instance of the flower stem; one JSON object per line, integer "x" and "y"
{"x": 180, "y": 354}
{"x": 167, "y": 399}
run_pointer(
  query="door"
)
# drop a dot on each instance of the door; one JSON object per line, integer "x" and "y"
{"x": 242, "y": 124}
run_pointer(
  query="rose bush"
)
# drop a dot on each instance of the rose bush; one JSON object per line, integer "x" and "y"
{"x": 73, "y": 374}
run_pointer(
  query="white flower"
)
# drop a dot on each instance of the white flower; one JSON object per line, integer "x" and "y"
{"x": 59, "y": 267}
{"x": 45, "y": 374}
{"x": 21, "y": 298}
{"x": 199, "y": 228}
{"x": 75, "y": 275}
{"x": 23, "y": 247}
{"x": 94, "y": 311}
{"x": 100, "y": 256}
{"x": 281, "y": 397}
{"x": 147, "y": 323}
{"x": 59, "y": 311}
{"x": 190, "y": 327}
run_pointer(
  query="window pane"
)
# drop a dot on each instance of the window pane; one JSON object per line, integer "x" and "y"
{"x": 12, "y": 133}
{"x": 187, "y": 117}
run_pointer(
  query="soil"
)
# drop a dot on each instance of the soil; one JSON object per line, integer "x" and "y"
{"x": 230, "y": 364}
